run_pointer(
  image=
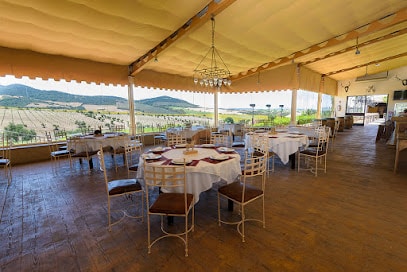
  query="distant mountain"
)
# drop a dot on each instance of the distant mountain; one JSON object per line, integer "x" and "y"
{"x": 166, "y": 101}
{"x": 18, "y": 95}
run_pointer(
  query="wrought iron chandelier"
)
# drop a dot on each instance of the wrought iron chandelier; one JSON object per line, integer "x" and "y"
{"x": 213, "y": 75}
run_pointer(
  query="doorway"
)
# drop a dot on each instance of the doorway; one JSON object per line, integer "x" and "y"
{"x": 366, "y": 109}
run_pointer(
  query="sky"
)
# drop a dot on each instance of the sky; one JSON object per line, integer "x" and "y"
{"x": 203, "y": 100}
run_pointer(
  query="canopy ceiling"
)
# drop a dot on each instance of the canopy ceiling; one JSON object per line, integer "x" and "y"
{"x": 266, "y": 44}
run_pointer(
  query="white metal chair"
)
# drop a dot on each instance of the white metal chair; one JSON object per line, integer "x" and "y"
{"x": 121, "y": 188}
{"x": 130, "y": 151}
{"x": 175, "y": 138}
{"x": 173, "y": 201}
{"x": 334, "y": 133}
{"x": 219, "y": 139}
{"x": 316, "y": 152}
{"x": 246, "y": 190}
{"x": 121, "y": 142}
{"x": 5, "y": 159}
{"x": 261, "y": 143}
{"x": 80, "y": 150}
{"x": 56, "y": 154}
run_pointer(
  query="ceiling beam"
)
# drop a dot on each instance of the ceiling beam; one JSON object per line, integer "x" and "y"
{"x": 203, "y": 16}
{"x": 360, "y": 45}
{"x": 383, "y": 23}
{"x": 366, "y": 64}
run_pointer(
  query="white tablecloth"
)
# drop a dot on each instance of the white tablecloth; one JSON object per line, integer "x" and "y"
{"x": 187, "y": 133}
{"x": 201, "y": 177}
{"x": 283, "y": 144}
{"x": 93, "y": 143}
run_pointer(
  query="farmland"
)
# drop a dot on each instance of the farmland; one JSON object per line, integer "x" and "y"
{"x": 44, "y": 120}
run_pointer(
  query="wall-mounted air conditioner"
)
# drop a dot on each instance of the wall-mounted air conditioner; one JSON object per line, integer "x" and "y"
{"x": 378, "y": 76}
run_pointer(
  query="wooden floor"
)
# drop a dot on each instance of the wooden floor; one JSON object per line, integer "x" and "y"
{"x": 353, "y": 218}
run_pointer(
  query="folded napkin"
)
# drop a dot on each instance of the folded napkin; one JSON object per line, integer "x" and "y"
{"x": 156, "y": 160}
{"x": 227, "y": 152}
{"x": 169, "y": 162}
{"x": 193, "y": 163}
{"x": 214, "y": 161}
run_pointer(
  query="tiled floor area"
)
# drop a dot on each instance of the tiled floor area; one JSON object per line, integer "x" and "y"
{"x": 353, "y": 218}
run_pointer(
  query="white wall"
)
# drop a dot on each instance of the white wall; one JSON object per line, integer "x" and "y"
{"x": 387, "y": 86}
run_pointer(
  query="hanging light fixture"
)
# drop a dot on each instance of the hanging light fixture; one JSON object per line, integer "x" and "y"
{"x": 217, "y": 73}
{"x": 357, "y": 52}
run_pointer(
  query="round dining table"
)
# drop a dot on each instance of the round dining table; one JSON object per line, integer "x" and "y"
{"x": 282, "y": 143}
{"x": 206, "y": 166}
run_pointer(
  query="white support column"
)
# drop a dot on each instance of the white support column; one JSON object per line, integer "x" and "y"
{"x": 319, "y": 105}
{"x": 131, "y": 106}
{"x": 293, "y": 107}
{"x": 215, "y": 109}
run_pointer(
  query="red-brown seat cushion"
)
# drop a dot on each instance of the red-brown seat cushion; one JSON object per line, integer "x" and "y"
{"x": 171, "y": 203}
{"x": 234, "y": 191}
{"x": 121, "y": 186}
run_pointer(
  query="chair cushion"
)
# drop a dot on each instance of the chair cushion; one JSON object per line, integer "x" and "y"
{"x": 64, "y": 147}
{"x": 4, "y": 161}
{"x": 257, "y": 154}
{"x": 121, "y": 186}
{"x": 60, "y": 153}
{"x": 313, "y": 152}
{"x": 133, "y": 167}
{"x": 171, "y": 203}
{"x": 238, "y": 144}
{"x": 247, "y": 172}
{"x": 119, "y": 150}
{"x": 234, "y": 191}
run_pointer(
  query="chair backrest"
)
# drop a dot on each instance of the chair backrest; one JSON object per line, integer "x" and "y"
{"x": 121, "y": 141}
{"x": 322, "y": 138}
{"x": 336, "y": 128}
{"x": 255, "y": 164}
{"x": 219, "y": 139}
{"x": 102, "y": 165}
{"x": 7, "y": 144}
{"x": 78, "y": 145}
{"x": 136, "y": 143}
{"x": 259, "y": 141}
{"x": 202, "y": 136}
{"x": 175, "y": 138}
{"x": 168, "y": 178}
{"x": 52, "y": 146}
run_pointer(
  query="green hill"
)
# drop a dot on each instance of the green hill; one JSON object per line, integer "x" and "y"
{"x": 22, "y": 96}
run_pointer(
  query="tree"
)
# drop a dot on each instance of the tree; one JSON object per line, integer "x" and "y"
{"x": 229, "y": 120}
{"x": 14, "y": 132}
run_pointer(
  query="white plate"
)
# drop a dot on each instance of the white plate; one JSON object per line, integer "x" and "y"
{"x": 152, "y": 156}
{"x": 157, "y": 149}
{"x": 208, "y": 145}
{"x": 219, "y": 157}
{"x": 225, "y": 149}
{"x": 180, "y": 145}
{"x": 181, "y": 161}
